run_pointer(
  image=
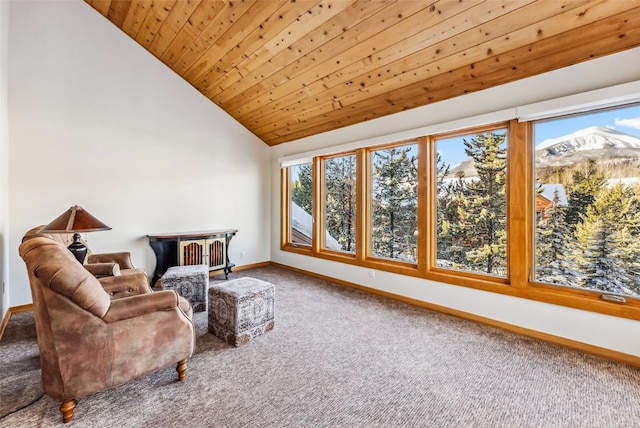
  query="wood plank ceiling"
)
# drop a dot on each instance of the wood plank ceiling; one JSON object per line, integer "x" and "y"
{"x": 290, "y": 69}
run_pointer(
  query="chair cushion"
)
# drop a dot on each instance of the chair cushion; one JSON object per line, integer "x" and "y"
{"x": 61, "y": 272}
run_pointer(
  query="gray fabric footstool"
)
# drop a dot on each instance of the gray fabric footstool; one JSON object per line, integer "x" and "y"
{"x": 190, "y": 282}
{"x": 241, "y": 309}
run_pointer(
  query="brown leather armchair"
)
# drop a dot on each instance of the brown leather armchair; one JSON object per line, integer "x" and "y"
{"x": 99, "y": 264}
{"x": 90, "y": 341}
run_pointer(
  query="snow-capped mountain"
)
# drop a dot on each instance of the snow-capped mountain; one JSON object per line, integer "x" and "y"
{"x": 605, "y": 145}
{"x": 591, "y": 138}
{"x": 589, "y": 143}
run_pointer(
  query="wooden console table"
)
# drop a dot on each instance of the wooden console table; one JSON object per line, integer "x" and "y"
{"x": 209, "y": 247}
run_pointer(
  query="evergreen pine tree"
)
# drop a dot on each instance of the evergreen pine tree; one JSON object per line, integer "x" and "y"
{"x": 450, "y": 247}
{"x": 483, "y": 213}
{"x": 395, "y": 203}
{"x": 302, "y": 188}
{"x": 553, "y": 264}
{"x": 603, "y": 271}
{"x": 581, "y": 191}
{"x": 607, "y": 249}
{"x": 442, "y": 192}
{"x": 630, "y": 238}
{"x": 340, "y": 201}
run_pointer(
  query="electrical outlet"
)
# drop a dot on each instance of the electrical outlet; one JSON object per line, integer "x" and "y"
{"x": 372, "y": 273}
{"x": 242, "y": 254}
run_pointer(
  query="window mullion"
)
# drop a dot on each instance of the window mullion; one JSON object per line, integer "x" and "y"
{"x": 363, "y": 207}
{"x": 317, "y": 241}
{"x": 519, "y": 201}
{"x": 426, "y": 211}
{"x": 285, "y": 209}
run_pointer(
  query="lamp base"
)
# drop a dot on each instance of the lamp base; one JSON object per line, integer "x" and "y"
{"x": 78, "y": 249}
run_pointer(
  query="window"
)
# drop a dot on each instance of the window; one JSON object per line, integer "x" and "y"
{"x": 394, "y": 203}
{"x": 471, "y": 217}
{"x": 301, "y": 204}
{"x": 587, "y": 201}
{"x": 546, "y": 210}
{"x": 340, "y": 203}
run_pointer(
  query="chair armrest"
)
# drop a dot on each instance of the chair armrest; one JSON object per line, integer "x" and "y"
{"x": 125, "y": 285}
{"x": 135, "y": 306}
{"x": 100, "y": 270}
{"x": 122, "y": 258}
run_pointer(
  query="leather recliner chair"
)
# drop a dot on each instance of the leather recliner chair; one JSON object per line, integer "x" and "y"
{"x": 90, "y": 341}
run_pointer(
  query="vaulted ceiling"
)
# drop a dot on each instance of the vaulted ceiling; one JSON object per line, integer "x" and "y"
{"x": 290, "y": 69}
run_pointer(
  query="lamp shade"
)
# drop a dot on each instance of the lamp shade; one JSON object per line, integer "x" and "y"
{"x": 75, "y": 219}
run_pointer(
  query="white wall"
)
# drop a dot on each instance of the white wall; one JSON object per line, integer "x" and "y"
{"x": 4, "y": 156}
{"x": 97, "y": 121}
{"x": 583, "y": 326}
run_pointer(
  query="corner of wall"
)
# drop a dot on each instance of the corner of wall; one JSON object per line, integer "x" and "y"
{"x": 4, "y": 155}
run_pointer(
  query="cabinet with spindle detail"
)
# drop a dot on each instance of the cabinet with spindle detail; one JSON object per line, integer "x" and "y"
{"x": 209, "y": 247}
{"x": 210, "y": 252}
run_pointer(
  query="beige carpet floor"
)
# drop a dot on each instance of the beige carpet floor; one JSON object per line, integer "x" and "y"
{"x": 343, "y": 358}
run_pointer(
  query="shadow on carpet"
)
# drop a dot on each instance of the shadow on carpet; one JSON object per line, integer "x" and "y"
{"x": 20, "y": 381}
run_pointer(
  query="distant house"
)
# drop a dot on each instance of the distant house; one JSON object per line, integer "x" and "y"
{"x": 545, "y": 197}
{"x": 301, "y": 229}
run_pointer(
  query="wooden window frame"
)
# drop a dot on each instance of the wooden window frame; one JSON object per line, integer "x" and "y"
{"x": 367, "y": 200}
{"x": 320, "y": 215}
{"x": 285, "y": 210}
{"x": 443, "y": 274}
{"x": 520, "y": 226}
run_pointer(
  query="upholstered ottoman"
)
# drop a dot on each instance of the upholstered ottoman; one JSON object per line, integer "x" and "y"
{"x": 190, "y": 282}
{"x": 241, "y": 309}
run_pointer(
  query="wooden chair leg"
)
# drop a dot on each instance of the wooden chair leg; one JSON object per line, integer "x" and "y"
{"x": 182, "y": 370}
{"x": 67, "y": 408}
